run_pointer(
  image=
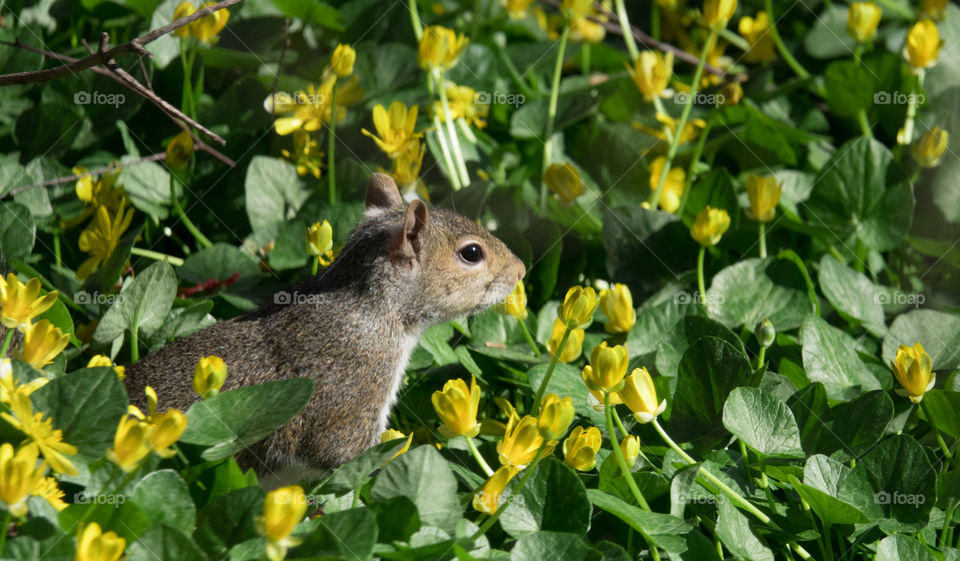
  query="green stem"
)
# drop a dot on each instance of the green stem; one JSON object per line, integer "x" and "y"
{"x": 476, "y": 455}
{"x": 762, "y": 233}
{"x": 655, "y": 21}
{"x": 529, "y": 337}
{"x": 862, "y": 111}
{"x": 415, "y": 19}
{"x": 585, "y": 59}
{"x": 316, "y": 266}
{"x": 798, "y": 69}
{"x": 528, "y": 471}
{"x": 511, "y": 69}
{"x": 3, "y": 351}
{"x": 911, "y": 111}
{"x": 682, "y": 124}
{"x": 451, "y": 132}
{"x": 936, "y": 431}
{"x": 202, "y": 240}
{"x": 552, "y": 114}
{"x": 135, "y": 342}
{"x": 694, "y": 162}
{"x": 947, "y": 524}
{"x": 157, "y": 256}
{"x": 700, "y": 284}
{"x": 627, "y": 30}
{"x": 554, "y": 359}
{"x": 445, "y": 152}
{"x": 761, "y": 356}
{"x": 331, "y": 141}
{"x": 5, "y": 521}
{"x": 56, "y": 247}
{"x": 621, "y": 461}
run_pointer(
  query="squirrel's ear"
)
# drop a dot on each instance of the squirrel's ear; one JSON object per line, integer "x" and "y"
{"x": 382, "y": 194}
{"x": 407, "y": 244}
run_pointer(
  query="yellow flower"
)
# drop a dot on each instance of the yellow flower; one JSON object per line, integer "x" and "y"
{"x": 914, "y": 370}
{"x": 764, "y": 195}
{"x": 47, "y": 489}
{"x": 516, "y": 9}
{"x": 732, "y": 94}
{"x": 617, "y": 305}
{"x": 651, "y": 73}
{"x": 640, "y": 395}
{"x": 101, "y": 237}
{"x": 456, "y": 406}
{"x": 716, "y": 13}
{"x": 521, "y": 441}
{"x": 573, "y": 347}
{"x": 487, "y": 499}
{"x": 166, "y": 428}
{"x": 179, "y": 150}
{"x": 306, "y": 154}
{"x": 923, "y": 45}
{"x": 40, "y": 431}
{"x": 320, "y": 242}
{"x": 42, "y": 342}
{"x": 406, "y": 166}
{"x": 19, "y": 303}
{"x": 102, "y": 192}
{"x": 392, "y": 434}
{"x": 564, "y": 180}
{"x": 94, "y": 545}
{"x": 862, "y": 20}
{"x": 556, "y": 414}
{"x": 608, "y": 366}
{"x": 578, "y": 307}
{"x": 209, "y": 26}
{"x": 757, "y": 32}
{"x": 104, "y": 360}
{"x": 440, "y": 47}
{"x": 131, "y": 443}
{"x": 19, "y": 476}
{"x": 630, "y": 448}
{"x": 690, "y": 131}
{"x": 935, "y": 9}
{"x": 710, "y": 226}
{"x": 581, "y": 14}
{"x": 342, "y": 60}
{"x": 395, "y": 127}
{"x": 209, "y": 375}
{"x": 183, "y": 10}
{"x": 930, "y": 148}
{"x": 515, "y": 303}
{"x": 461, "y": 100}
{"x": 673, "y": 185}
{"x": 580, "y": 448}
{"x": 283, "y": 509}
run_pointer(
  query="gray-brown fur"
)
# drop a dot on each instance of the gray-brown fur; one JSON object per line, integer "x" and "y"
{"x": 398, "y": 274}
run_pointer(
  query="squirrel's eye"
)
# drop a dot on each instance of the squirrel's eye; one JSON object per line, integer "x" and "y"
{"x": 471, "y": 253}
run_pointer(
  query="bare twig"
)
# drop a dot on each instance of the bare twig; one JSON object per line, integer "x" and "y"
{"x": 102, "y": 56}
{"x": 75, "y": 177}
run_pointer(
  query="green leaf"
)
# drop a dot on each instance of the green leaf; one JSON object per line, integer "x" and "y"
{"x": 148, "y": 186}
{"x": 828, "y": 37}
{"x": 902, "y": 548}
{"x": 229, "y": 520}
{"x": 59, "y": 316}
{"x": 566, "y": 381}
{"x": 434, "y": 340}
{"x": 836, "y": 480}
{"x": 762, "y": 422}
{"x": 946, "y": 194}
{"x": 164, "y": 543}
{"x": 397, "y": 519}
{"x": 17, "y": 231}
{"x": 273, "y": 192}
{"x": 734, "y": 531}
{"x": 541, "y": 506}
{"x": 904, "y": 482}
{"x": 830, "y": 509}
{"x": 938, "y": 332}
{"x": 829, "y": 357}
{"x": 528, "y": 121}
{"x": 311, "y": 11}
{"x": 86, "y": 405}
{"x": 943, "y": 405}
{"x": 850, "y": 86}
{"x": 852, "y": 294}
{"x": 103, "y": 279}
{"x": 231, "y": 421}
{"x": 710, "y": 369}
{"x": 665, "y": 530}
{"x": 348, "y": 534}
{"x": 163, "y": 497}
{"x": 754, "y": 289}
{"x": 862, "y": 195}
{"x": 351, "y": 475}
{"x": 143, "y": 303}
{"x": 124, "y": 518}
{"x": 555, "y": 546}
{"x": 676, "y": 341}
{"x": 423, "y": 476}
{"x": 218, "y": 262}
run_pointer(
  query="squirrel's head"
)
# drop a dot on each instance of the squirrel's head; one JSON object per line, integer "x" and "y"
{"x": 448, "y": 265}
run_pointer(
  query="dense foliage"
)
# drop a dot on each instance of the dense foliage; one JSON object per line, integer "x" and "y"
{"x": 737, "y": 338}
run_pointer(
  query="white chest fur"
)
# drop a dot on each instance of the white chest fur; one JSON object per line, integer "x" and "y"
{"x": 407, "y": 345}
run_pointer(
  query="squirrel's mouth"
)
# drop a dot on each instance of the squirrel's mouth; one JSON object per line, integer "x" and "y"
{"x": 494, "y": 293}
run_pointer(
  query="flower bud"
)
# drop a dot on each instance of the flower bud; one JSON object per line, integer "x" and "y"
{"x": 923, "y": 45}
{"x": 564, "y": 180}
{"x": 862, "y": 20}
{"x": 930, "y": 148}
{"x": 209, "y": 375}
{"x": 580, "y": 448}
{"x": 765, "y": 333}
{"x": 630, "y": 447}
{"x": 710, "y": 226}
{"x": 764, "y": 195}
{"x": 716, "y": 13}
{"x": 342, "y": 60}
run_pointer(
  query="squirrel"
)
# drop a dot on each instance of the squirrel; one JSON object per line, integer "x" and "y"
{"x": 401, "y": 271}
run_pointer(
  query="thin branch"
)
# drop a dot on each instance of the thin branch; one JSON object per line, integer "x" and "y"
{"x": 99, "y": 171}
{"x": 103, "y": 56}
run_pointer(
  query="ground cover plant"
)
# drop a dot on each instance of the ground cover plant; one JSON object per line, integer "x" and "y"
{"x": 737, "y": 338}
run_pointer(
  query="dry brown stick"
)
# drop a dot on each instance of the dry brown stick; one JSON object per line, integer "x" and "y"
{"x": 101, "y": 57}
{"x": 75, "y": 177}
